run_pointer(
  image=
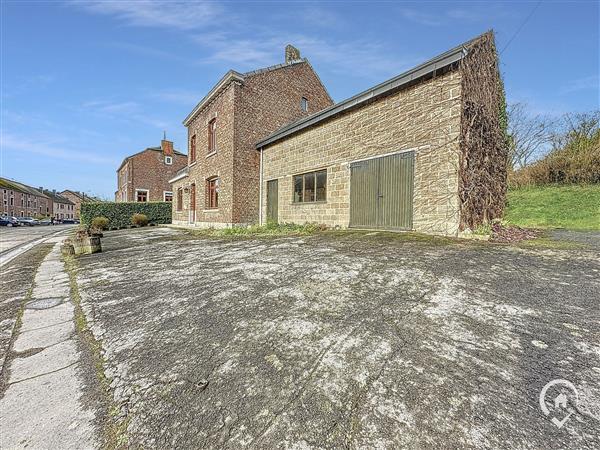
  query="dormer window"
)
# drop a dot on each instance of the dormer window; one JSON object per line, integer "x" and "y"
{"x": 304, "y": 104}
{"x": 168, "y": 160}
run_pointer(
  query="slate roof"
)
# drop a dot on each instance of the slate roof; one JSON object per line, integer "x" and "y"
{"x": 13, "y": 185}
{"x": 388, "y": 87}
{"x": 56, "y": 197}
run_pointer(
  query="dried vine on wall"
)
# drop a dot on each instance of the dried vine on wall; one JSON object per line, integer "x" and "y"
{"x": 483, "y": 145}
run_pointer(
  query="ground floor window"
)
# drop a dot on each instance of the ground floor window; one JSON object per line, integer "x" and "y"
{"x": 212, "y": 193}
{"x": 310, "y": 187}
{"x": 167, "y": 196}
{"x": 141, "y": 195}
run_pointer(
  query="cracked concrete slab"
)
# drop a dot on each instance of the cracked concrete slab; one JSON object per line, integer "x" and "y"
{"x": 36, "y": 319}
{"x": 43, "y": 403}
{"x": 45, "y": 413}
{"x": 53, "y": 339}
{"x": 343, "y": 340}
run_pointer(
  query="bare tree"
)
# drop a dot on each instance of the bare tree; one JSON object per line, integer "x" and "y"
{"x": 530, "y": 136}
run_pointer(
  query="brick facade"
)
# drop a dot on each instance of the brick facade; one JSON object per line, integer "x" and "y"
{"x": 245, "y": 108}
{"x": 20, "y": 200}
{"x": 148, "y": 171}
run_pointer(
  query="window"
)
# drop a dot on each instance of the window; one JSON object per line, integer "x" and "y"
{"x": 193, "y": 149}
{"x": 141, "y": 195}
{"x": 167, "y": 196}
{"x": 212, "y": 193}
{"x": 212, "y": 136}
{"x": 310, "y": 187}
{"x": 304, "y": 104}
{"x": 179, "y": 199}
{"x": 168, "y": 160}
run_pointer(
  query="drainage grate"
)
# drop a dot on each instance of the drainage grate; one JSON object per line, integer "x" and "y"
{"x": 45, "y": 303}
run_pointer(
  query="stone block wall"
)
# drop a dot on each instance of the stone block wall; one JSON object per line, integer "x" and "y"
{"x": 424, "y": 117}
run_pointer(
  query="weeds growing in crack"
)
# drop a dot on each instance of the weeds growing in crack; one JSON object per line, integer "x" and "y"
{"x": 115, "y": 429}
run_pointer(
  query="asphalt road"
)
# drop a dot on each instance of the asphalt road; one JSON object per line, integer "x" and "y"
{"x": 12, "y": 237}
{"x": 352, "y": 340}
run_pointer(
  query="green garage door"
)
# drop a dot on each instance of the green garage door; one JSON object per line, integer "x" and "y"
{"x": 381, "y": 192}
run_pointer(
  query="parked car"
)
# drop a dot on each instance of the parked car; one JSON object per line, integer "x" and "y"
{"x": 68, "y": 221}
{"x": 6, "y": 221}
{"x": 29, "y": 221}
{"x": 45, "y": 222}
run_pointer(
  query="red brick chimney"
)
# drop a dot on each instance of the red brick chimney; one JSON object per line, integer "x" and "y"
{"x": 291, "y": 54}
{"x": 166, "y": 146}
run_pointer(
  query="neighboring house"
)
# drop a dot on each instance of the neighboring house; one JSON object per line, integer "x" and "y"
{"x": 423, "y": 151}
{"x": 144, "y": 176}
{"x": 78, "y": 198}
{"x": 61, "y": 207}
{"x": 20, "y": 200}
{"x": 220, "y": 185}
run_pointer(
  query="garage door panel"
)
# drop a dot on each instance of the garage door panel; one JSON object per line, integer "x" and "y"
{"x": 381, "y": 192}
{"x": 395, "y": 191}
{"x": 363, "y": 194}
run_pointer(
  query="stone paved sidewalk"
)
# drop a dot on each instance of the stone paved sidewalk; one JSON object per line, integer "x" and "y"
{"x": 42, "y": 405}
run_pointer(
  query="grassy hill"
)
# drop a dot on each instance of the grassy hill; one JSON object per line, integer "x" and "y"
{"x": 575, "y": 207}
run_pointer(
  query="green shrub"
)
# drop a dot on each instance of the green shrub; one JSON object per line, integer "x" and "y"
{"x": 119, "y": 214}
{"x": 99, "y": 223}
{"x": 139, "y": 220}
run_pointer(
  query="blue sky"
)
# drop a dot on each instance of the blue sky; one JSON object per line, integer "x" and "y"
{"x": 86, "y": 83}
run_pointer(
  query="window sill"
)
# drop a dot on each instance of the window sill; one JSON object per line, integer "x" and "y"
{"x": 211, "y": 154}
{"x": 320, "y": 202}
{"x": 210, "y": 210}
{"x": 194, "y": 163}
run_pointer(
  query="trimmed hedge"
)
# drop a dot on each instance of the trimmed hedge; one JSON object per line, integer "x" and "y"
{"x": 119, "y": 214}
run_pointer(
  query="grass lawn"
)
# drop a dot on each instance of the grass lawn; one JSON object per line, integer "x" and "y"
{"x": 574, "y": 207}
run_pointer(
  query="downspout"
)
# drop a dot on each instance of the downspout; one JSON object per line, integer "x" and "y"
{"x": 260, "y": 190}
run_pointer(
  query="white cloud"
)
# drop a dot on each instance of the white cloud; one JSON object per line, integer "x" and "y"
{"x": 581, "y": 84}
{"x": 152, "y": 13}
{"x": 177, "y": 96}
{"x": 47, "y": 147}
{"x": 108, "y": 107}
{"x": 421, "y": 17}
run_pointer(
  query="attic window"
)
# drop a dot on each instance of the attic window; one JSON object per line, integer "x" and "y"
{"x": 168, "y": 160}
{"x": 304, "y": 104}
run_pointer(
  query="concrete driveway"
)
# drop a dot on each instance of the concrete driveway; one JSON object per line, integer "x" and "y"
{"x": 354, "y": 340}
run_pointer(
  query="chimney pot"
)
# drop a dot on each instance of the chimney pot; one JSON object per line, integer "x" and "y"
{"x": 291, "y": 54}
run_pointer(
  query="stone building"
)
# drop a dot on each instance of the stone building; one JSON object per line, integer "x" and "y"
{"x": 20, "y": 200}
{"x": 144, "y": 176}
{"x": 219, "y": 187}
{"x": 413, "y": 153}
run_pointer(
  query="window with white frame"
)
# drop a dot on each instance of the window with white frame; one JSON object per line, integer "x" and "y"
{"x": 167, "y": 196}
{"x": 168, "y": 160}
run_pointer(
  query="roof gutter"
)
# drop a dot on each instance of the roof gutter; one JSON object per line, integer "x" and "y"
{"x": 439, "y": 62}
{"x": 230, "y": 76}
